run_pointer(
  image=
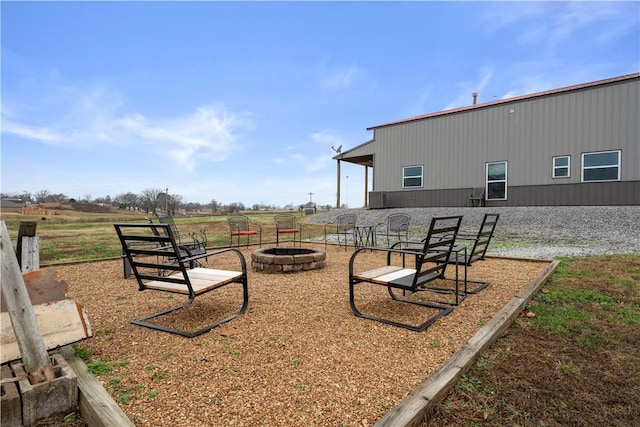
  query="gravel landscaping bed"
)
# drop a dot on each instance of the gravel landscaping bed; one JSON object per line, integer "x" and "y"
{"x": 297, "y": 357}
{"x": 531, "y": 232}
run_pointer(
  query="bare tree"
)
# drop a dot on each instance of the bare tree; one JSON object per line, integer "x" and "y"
{"x": 42, "y": 196}
{"x": 150, "y": 198}
{"x": 176, "y": 202}
{"x": 127, "y": 201}
{"x": 214, "y": 206}
{"x": 236, "y": 207}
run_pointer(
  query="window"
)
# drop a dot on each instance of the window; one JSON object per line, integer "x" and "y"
{"x": 601, "y": 166}
{"x": 411, "y": 176}
{"x": 561, "y": 167}
{"x": 497, "y": 181}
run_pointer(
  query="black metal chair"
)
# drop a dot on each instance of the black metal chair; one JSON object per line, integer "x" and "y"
{"x": 475, "y": 248}
{"x": 344, "y": 225}
{"x": 198, "y": 243}
{"x": 396, "y": 226}
{"x": 287, "y": 224}
{"x": 160, "y": 263}
{"x": 241, "y": 225}
{"x": 430, "y": 266}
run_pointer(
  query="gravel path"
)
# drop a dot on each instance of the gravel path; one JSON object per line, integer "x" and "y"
{"x": 542, "y": 232}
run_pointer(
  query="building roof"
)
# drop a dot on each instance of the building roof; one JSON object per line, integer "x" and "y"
{"x": 517, "y": 98}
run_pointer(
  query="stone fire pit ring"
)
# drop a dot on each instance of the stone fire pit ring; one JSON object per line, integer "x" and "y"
{"x": 287, "y": 260}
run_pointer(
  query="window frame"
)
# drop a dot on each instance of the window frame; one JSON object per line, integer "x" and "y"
{"x": 584, "y": 168}
{"x": 405, "y": 177}
{"x": 488, "y": 182}
{"x": 555, "y": 167}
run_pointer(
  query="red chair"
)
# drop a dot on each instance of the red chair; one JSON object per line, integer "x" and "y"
{"x": 287, "y": 224}
{"x": 241, "y": 225}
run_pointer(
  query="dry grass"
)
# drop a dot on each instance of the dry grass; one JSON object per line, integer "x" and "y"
{"x": 297, "y": 357}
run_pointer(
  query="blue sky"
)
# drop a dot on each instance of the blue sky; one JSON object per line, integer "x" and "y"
{"x": 242, "y": 101}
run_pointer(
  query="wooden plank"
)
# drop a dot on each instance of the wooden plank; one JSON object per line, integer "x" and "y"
{"x": 376, "y": 272}
{"x": 30, "y": 257}
{"x": 96, "y": 405}
{"x": 27, "y": 229}
{"x": 60, "y": 323}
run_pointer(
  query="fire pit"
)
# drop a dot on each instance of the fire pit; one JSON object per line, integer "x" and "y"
{"x": 285, "y": 260}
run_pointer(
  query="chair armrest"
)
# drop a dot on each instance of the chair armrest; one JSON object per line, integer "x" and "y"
{"x": 256, "y": 225}
{"x": 214, "y": 253}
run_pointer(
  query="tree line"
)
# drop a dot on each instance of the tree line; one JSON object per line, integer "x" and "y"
{"x": 150, "y": 200}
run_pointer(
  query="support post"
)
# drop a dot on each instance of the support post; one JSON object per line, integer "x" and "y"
{"x": 23, "y": 319}
{"x": 366, "y": 186}
{"x": 338, "y": 190}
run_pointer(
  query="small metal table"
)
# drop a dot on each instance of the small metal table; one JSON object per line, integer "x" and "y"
{"x": 364, "y": 235}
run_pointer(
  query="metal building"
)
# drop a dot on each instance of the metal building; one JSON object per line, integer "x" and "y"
{"x": 578, "y": 145}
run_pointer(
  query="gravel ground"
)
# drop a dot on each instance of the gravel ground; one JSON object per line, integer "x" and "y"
{"x": 530, "y": 232}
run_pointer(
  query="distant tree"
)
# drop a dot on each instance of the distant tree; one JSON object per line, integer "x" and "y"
{"x": 214, "y": 206}
{"x": 176, "y": 202}
{"x": 236, "y": 207}
{"x": 127, "y": 201}
{"x": 42, "y": 196}
{"x": 150, "y": 199}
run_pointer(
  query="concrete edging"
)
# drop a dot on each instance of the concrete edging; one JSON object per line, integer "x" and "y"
{"x": 412, "y": 409}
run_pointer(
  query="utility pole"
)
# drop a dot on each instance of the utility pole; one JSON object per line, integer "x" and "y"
{"x": 166, "y": 200}
{"x": 347, "y": 197}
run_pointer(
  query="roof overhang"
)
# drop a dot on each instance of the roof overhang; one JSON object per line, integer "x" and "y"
{"x": 360, "y": 155}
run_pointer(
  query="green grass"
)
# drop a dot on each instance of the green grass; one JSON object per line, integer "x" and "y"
{"x": 79, "y": 236}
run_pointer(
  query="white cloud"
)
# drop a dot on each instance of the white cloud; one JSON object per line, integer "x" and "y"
{"x": 327, "y": 138}
{"x": 549, "y": 24}
{"x": 339, "y": 77}
{"x": 467, "y": 88}
{"x": 86, "y": 117}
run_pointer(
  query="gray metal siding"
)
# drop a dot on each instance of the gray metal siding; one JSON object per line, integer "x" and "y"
{"x": 455, "y": 148}
{"x": 585, "y": 194}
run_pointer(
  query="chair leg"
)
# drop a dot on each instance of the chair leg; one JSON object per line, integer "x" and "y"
{"x": 442, "y": 311}
{"x": 142, "y": 321}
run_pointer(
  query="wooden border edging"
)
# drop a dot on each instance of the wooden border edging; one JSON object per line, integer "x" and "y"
{"x": 96, "y": 405}
{"x": 412, "y": 409}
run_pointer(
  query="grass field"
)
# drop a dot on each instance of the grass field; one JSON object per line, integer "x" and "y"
{"x": 73, "y": 236}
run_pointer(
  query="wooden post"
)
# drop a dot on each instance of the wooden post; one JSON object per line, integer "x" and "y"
{"x": 23, "y": 320}
{"x": 27, "y": 246}
{"x": 30, "y": 260}
{"x": 366, "y": 186}
{"x": 338, "y": 190}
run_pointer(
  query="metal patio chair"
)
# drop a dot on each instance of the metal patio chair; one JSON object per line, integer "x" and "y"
{"x": 159, "y": 263}
{"x": 430, "y": 266}
{"x": 344, "y": 226}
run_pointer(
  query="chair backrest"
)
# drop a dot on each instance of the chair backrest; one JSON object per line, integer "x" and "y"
{"x": 346, "y": 222}
{"x": 398, "y": 222}
{"x": 168, "y": 219}
{"x": 484, "y": 236}
{"x": 432, "y": 261}
{"x": 285, "y": 221}
{"x": 477, "y": 193}
{"x": 238, "y": 222}
{"x": 153, "y": 253}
